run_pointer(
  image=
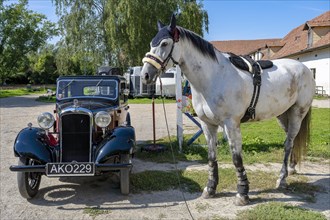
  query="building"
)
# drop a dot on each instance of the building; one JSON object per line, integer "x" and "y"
{"x": 309, "y": 43}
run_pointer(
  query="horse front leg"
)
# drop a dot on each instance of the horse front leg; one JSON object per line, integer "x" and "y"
{"x": 235, "y": 144}
{"x": 210, "y": 132}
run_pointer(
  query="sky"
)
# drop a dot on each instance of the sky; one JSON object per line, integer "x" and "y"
{"x": 238, "y": 19}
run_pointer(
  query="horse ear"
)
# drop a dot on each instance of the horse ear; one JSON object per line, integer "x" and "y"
{"x": 160, "y": 25}
{"x": 173, "y": 22}
{"x": 173, "y": 29}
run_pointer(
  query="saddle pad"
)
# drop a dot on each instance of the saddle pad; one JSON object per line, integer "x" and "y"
{"x": 246, "y": 62}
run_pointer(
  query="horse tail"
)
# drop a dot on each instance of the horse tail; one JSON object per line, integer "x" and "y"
{"x": 302, "y": 139}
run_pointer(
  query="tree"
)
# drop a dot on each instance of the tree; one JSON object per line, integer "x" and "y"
{"x": 42, "y": 66}
{"x": 22, "y": 31}
{"x": 119, "y": 32}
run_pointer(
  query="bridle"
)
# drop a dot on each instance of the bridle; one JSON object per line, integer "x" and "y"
{"x": 158, "y": 62}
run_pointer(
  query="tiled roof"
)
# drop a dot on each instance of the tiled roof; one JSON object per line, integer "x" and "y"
{"x": 294, "y": 42}
{"x": 243, "y": 47}
{"x": 320, "y": 21}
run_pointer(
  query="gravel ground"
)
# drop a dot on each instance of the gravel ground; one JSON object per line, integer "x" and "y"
{"x": 67, "y": 198}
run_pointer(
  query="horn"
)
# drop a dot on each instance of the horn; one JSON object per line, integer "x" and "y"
{"x": 160, "y": 25}
{"x": 173, "y": 22}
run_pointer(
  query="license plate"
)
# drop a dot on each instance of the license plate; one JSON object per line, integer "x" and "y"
{"x": 70, "y": 169}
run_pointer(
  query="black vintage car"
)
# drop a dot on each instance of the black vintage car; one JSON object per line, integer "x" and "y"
{"x": 90, "y": 134}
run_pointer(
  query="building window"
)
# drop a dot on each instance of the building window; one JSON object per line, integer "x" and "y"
{"x": 310, "y": 38}
{"x": 313, "y": 70}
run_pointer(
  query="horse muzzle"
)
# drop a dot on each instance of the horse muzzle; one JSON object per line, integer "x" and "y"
{"x": 149, "y": 74}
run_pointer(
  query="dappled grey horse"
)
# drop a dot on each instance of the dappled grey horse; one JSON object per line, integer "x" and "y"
{"x": 221, "y": 94}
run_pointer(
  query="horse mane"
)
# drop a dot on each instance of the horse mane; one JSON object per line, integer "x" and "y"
{"x": 205, "y": 47}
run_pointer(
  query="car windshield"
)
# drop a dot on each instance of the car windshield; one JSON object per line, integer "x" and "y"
{"x": 81, "y": 88}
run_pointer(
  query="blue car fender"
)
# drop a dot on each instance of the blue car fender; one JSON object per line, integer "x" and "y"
{"x": 121, "y": 141}
{"x": 31, "y": 143}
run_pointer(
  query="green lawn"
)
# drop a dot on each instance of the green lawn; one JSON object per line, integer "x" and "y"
{"x": 19, "y": 90}
{"x": 4, "y": 93}
{"x": 158, "y": 100}
{"x": 262, "y": 143}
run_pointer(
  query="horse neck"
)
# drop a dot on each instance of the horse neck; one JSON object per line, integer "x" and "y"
{"x": 199, "y": 69}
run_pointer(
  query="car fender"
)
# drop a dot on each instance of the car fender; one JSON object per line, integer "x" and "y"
{"x": 32, "y": 143}
{"x": 121, "y": 141}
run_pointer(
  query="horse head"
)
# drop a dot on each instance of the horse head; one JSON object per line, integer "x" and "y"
{"x": 162, "y": 54}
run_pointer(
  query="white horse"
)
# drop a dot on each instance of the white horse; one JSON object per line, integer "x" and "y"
{"x": 221, "y": 94}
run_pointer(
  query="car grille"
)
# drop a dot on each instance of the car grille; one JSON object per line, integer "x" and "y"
{"x": 75, "y": 137}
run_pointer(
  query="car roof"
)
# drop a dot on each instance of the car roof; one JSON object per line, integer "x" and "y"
{"x": 116, "y": 77}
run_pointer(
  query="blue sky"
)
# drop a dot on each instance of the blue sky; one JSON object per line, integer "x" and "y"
{"x": 238, "y": 19}
{"x": 246, "y": 20}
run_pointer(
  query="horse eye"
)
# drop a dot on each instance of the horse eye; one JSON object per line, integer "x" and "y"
{"x": 164, "y": 44}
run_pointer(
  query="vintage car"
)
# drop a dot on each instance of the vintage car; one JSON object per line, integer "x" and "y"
{"x": 90, "y": 134}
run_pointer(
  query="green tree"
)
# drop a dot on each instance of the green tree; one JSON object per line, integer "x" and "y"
{"x": 42, "y": 66}
{"x": 119, "y": 32}
{"x": 22, "y": 31}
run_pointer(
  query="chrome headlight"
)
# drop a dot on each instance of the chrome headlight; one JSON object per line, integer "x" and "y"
{"x": 102, "y": 119}
{"x": 46, "y": 120}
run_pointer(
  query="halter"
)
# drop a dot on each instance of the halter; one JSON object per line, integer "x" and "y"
{"x": 158, "y": 62}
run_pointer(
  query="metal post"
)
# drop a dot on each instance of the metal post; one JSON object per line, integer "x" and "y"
{"x": 153, "y": 120}
{"x": 179, "y": 121}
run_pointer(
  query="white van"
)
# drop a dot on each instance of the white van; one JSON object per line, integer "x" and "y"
{"x": 168, "y": 83}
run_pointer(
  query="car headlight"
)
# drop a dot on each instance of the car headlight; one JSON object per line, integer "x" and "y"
{"x": 46, "y": 120}
{"x": 102, "y": 119}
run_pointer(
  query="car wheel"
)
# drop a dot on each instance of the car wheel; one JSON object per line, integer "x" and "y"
{"x": 128, "y": 119}
{"x": 124, "y": 175}
{"x": 28, "y": 182}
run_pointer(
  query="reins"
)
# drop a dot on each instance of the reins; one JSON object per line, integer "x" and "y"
{"x": 160, "y": 65}
{"x": 172, "y": 152}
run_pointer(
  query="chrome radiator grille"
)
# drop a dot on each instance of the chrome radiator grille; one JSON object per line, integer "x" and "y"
{"x": 76, "y": 137}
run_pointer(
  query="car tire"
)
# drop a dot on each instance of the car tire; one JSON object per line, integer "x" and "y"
{"x": 28, "y": 182}
{"x": 124, "y": 175}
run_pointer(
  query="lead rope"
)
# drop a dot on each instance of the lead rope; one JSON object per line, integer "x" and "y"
{"x": 173, "y": 157}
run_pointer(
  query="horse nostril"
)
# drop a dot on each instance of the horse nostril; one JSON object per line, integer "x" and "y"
{"x": 146, "y": 76}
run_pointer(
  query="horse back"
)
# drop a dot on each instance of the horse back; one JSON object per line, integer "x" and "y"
{"x": 287, "y": 83}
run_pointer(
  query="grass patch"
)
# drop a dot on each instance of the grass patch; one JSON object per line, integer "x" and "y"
{"x": 95, "y": 211}
{"x": 262, "y": 143}
{"x": 4, "y": 93}
{"x": 158, "y": 100}
{"x": 279, "y": 211}
{"x": 320, "y": 135}
{"x": 130, "y": 101}
{"x": 195, "y": 181}
{"x": 321, "y": 97}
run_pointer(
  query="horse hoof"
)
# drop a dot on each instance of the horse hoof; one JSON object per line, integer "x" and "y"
{"x": 208, "y": 193}
{"x": 281, "y": 184}
{"x": 242, "y": 200}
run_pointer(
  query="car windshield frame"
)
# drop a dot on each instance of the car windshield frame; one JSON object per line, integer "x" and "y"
{"x": 87, "y": 88}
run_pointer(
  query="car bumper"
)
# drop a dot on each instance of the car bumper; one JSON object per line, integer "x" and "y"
{"x": 42, "y": 168}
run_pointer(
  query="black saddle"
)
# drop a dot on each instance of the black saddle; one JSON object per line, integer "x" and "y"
{"x": 245, "y": 62}
{"x": 254, "y": 67}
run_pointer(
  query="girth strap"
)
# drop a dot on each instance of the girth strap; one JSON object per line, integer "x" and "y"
{"x": 251, "y": 110}
{"x": 247, "y": 63}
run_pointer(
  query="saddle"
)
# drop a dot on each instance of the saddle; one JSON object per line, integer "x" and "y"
{"x": 255, "y": 68}
{"x": 246, "y": 62}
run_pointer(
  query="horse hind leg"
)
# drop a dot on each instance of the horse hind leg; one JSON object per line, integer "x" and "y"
{"x": 210, "y": 132}
{"x": 283, "y": 121}
{"x": 297, "y": 125}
